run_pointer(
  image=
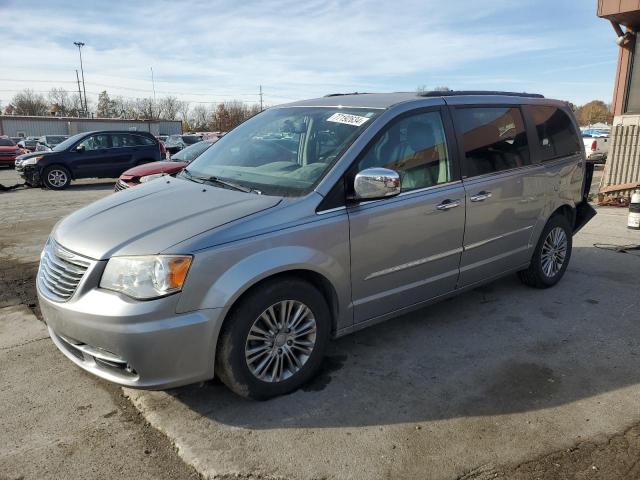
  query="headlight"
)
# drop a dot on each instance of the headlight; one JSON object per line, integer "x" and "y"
{"x": 148, "y": 178}
{"x": 146, "y": 277}
{"x": 31, "y": 161}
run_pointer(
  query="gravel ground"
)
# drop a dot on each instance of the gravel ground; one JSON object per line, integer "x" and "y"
{"x": 403, "y": 430}
{"x": 56, "y": 421}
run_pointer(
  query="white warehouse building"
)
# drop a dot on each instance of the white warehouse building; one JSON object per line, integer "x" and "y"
{"x": 25, "y": 126}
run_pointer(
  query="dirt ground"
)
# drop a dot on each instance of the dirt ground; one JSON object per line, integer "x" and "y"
{"x": 27, "y": 216}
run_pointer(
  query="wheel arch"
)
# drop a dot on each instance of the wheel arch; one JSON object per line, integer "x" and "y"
{"x": 314, "y": 278}
{"x": 58, "y": 164}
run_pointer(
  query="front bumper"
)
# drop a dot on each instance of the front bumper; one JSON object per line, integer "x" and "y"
{"x": 132, "y": 343}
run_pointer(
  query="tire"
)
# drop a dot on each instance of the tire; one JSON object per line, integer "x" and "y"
{"x": 551, "y": 256}
{"x": 56, "y": 177}
{"x": 239, "y": 359}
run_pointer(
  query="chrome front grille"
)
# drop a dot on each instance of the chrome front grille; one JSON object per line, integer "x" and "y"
{"x": 60, "y": 272}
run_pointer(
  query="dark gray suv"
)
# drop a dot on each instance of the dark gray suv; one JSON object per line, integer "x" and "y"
{"x": 101, "y": 154}
{"x": 310, "y": 221}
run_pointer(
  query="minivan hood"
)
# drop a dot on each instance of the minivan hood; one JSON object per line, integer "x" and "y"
{"x": 154, "y": 216}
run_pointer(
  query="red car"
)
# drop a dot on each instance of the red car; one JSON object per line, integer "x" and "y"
{"x": 149, "y": 171}
{"x": 9, "y": 151}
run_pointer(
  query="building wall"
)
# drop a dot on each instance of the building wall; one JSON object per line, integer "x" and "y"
{"x": 622, "y": 170}
{"x": 37, "y": 126}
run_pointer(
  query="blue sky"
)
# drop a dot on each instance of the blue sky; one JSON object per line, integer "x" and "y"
{"x": 218, "y": 50}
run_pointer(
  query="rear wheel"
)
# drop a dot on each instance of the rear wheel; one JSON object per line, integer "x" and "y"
{"x": 274, "y": 340}
{"x": 56, "y": 177}
{"x": 551, "y": 256}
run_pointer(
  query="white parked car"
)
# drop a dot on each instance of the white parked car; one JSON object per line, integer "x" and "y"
{"x": 596, "y": 145}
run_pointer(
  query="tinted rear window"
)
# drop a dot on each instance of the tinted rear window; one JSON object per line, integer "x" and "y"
{"x": 144, "y": 141}
{"x": 6, "y": 142}
{"x": 557, "y": 136}
{"x": 493, "y": 138}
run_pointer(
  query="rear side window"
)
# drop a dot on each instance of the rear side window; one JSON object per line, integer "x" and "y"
{"x": 556, "y": 135}
{"x": 494, "y": 139}
{"x": 123, "y": 140}
{"x": 143, "y": 141}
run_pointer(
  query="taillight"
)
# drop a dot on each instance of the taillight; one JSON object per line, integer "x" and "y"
{"x": 163, "y": 151}
{"x": 594, "y": 146}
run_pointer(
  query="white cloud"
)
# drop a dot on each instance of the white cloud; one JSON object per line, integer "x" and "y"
{"x": 210, "y": 51}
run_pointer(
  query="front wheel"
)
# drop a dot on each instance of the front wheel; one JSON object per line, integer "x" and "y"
{"x": 273, "y": 342}
{"x": 56, "y": 177}
{"x": 551, "y": 256}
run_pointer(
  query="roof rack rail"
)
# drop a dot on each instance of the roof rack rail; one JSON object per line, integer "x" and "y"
{"x": 453, "y": 93}
{"x": 343, "y": 94}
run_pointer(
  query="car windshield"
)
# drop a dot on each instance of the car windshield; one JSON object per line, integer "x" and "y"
{"x": 283, "y": 151}
{"x": 6, "y": 142}
{"x": 191, "y": 152}
{"x": 191, "y": 139}
{"x": 68, "y": 142}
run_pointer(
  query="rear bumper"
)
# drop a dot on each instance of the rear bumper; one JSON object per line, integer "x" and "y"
{"x": 584, "y": 213}
{"x": 134, "y": 344}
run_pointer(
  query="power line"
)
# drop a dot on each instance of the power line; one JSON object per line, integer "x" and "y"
{"x": 166, "y": 92}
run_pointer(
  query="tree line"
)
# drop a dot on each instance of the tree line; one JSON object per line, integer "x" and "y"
{"x": 199, "y": 117}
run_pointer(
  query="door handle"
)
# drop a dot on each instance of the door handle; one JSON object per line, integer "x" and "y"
{"x": 448, "y": 204}
{"x": 480, "y": 197}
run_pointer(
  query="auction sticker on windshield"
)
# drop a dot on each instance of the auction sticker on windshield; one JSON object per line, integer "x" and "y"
{"x": 347, "y": 119}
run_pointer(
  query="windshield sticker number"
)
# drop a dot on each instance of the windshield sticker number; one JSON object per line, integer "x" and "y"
{"x": 347, "y": 119}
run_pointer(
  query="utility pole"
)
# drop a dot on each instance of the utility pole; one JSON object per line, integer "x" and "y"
{"x": 79, "y": 92}
{"x": 80, "y": 45}
{"x": 261, "y": 98}
{"x": 153, "y": 84}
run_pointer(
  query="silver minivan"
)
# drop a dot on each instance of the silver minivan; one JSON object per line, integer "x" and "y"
{"x": 307, "y": 222}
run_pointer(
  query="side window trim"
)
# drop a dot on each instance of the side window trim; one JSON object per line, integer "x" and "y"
{"x": 452, "y": 150}
{"x": 460, "y": 140}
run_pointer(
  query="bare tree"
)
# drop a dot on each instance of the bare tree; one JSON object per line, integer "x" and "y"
{"x": 62, "y": 103}
{"x": 169, "y": 108}
{"x": 28, "y": 102}
{"x": 185, "y": 107}
{"x": 200, "y": 118}
{"x": 106, "y": 108}
{"x": 229, "y": 115}
{"x": 144, "y": 108}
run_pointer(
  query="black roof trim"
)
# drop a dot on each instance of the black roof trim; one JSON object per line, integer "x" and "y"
{"x": 345, "y": 94}
{"x": 455, "y": 93}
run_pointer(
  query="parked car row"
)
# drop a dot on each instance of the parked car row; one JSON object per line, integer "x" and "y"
{"x": 99, "y": 154}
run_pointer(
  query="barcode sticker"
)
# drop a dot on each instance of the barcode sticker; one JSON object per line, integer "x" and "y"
{"x": 347, "y": 119}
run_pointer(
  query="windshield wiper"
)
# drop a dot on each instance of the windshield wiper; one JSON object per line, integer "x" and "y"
{"x": 219, "y": 181}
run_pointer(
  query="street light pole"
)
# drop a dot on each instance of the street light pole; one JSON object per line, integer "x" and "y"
{"x": 84, "y": 88}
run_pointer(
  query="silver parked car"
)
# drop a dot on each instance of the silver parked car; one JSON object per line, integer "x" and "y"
{"x": 310, "y": 221}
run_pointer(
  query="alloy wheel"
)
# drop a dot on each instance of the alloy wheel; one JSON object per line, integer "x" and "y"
{"x": 57, "y": 178}
{"x": 280, "y": 341}
{"x": 554, "y": 252}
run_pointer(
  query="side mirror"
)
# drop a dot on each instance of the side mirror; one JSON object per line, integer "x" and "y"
{"x": 376, "y": 183}
{"x": 80, "y": 148}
